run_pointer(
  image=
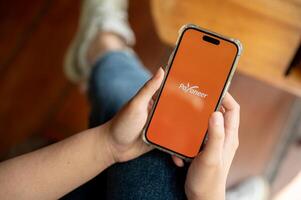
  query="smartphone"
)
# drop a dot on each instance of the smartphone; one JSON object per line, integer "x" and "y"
{"x": 197, "y": 77}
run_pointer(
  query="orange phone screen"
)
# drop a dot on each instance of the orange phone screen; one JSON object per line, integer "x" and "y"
{"x": 192, "y": 89}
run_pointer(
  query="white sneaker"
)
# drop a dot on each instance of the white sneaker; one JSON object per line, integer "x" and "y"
{"x": 255, "y": 188}
{"x": 96, "y": 15}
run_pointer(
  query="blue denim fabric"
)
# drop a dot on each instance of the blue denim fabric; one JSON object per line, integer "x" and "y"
{"x": 114, "y": 80}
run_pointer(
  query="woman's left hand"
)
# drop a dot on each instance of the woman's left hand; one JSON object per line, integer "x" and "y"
{"x": 123, "y": 132}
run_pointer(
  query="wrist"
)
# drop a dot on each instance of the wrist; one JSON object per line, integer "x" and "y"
{"x": 105, "y": 152}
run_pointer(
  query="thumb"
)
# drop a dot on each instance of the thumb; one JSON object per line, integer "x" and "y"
{"x": 214, "y": 147}
{"x": 149, "y": 89}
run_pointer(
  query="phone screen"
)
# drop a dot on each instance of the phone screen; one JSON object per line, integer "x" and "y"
{"x": 198, "y": 74}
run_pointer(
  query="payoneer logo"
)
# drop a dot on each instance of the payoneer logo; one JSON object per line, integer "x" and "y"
{"x": 192, "y": 90}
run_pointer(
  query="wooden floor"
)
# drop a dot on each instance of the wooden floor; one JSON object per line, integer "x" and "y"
{"x": 37, "y": 100}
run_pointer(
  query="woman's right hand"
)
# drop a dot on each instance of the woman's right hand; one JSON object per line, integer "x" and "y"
{"x": 207, "y": 174}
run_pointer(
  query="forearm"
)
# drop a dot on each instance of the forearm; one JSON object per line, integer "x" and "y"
{"x": 55, "y": 170}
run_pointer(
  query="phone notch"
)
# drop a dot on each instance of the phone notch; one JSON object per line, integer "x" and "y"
{"x": 211, "y": 40}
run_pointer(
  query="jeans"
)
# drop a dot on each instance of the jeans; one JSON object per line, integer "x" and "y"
{"x": 115, "y": 79}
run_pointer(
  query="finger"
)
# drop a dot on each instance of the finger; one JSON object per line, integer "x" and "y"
{"x": 150, "y": 105}
{"x": 229, "y": 102}
{"x": 149, "y": 89}
{"x": 178, "y": 161}
{"x": 155, "y": 96}
{"x": 222, "y": 109}
{"x": 231, "y": 116}
{"x": 214, "y": 146}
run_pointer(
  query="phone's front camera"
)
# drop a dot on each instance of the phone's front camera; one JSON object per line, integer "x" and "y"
{"x": 211, "y": 40}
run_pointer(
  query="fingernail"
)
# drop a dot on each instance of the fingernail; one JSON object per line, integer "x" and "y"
{"x": 181, "y": 164}
{"x": 217, "y": 118}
